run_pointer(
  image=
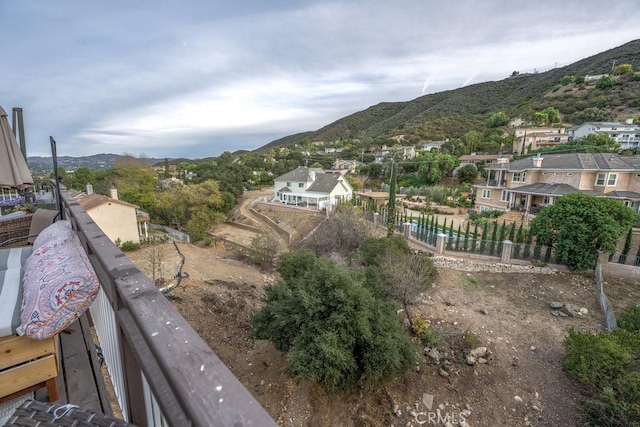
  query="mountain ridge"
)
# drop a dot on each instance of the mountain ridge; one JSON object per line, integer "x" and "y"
{"x": 518, "y": 94}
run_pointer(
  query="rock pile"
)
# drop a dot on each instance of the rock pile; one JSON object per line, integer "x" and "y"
{"x": 478, "y": 355}
{"x": 560, "y": 309}
{"x": 468, "y": 265}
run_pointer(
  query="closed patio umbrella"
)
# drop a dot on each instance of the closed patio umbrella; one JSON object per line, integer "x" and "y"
{"x": 14, "y": 172}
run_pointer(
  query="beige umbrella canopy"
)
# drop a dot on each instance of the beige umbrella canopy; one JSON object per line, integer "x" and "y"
{"x": 14, "y": 172}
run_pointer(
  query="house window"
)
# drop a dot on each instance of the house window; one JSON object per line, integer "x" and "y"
{"x": 608, "y": 179}
{"x": 505, "y": 196}
{"x": 627, "y": 203}
{"x": 486, "y": 194}
{"x": 546, "y": 200}
{"x": 288, "y": 184}
{"x": 519, "y": 176}
{"x": 300, "y": 184}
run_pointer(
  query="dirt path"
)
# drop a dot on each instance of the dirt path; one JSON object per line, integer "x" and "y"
{"x": 296, "y": 221}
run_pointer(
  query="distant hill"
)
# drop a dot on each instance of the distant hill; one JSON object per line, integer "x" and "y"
{"x": 454, "y": 112}
{"x": 94, "y": 162}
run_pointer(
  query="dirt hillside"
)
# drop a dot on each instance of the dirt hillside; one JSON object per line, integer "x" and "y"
{"x": 521, "y": 383}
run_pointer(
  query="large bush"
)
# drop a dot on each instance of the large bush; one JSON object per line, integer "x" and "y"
{"x": 630, "y": 319}
{"x": 607, "y": 363}
{"x": 579, "y": 226}
{"x": 335, "y": 331}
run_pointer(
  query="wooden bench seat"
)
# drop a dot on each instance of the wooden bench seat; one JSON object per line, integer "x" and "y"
{"x": 26, "y": 365}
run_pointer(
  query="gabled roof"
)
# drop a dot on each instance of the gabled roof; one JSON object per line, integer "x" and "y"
{"x": 322, "y": 182}
{"x": 575, "y": 161}
{"x": 301, "y": 173}
{"x": 93, "y": 200}
{"x": 325, "y": 182}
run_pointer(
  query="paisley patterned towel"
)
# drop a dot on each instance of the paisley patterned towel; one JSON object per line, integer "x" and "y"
{"x": 59, "y": 284}
{"x": 60, "y": 231}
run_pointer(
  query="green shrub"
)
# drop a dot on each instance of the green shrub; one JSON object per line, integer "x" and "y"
{"x": 432, "y": 338}
{"x": 425, "y": 334}
{"x": 129, "y": 246}
{"x": 608, "y": 364}
{"x": 630, "y": 319}
{"x": 334, "y": 330}
{"x": 595, "y": 360}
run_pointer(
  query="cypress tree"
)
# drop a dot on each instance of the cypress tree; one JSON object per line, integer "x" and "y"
{"x": 465, "y": 245}
{"x": 450, "y": 240}
{"x": 391, "y": 205}
{"x": 518, "y": 243}
{"x": 483, "y": 241}
{"x": 475, "y": 237}
{"x": 526, "y": 253}
{"x": 512, "y": 232}
{"x": 494, "y": 237}
{"x": 457, "y": 247}
{"x": 627, "y": 247}
{"x": 503, "y": 234}
{"x": 434, "y": 232}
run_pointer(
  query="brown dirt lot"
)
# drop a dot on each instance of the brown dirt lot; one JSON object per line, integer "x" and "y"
{"x": 222, "y": 292}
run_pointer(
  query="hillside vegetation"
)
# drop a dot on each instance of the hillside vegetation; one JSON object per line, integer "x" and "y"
{"x": 452, "y": 113}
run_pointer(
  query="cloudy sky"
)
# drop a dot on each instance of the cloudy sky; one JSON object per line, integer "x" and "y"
{"x": 195, "y": 78}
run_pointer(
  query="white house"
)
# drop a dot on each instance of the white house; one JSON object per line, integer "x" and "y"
{"x": 312, "y": 187}
{"x": 626, "y": 134}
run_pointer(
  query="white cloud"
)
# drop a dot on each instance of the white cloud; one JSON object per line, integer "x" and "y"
{"x": 217, "y": 75}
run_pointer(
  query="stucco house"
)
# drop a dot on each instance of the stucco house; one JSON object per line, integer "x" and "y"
{"x": 485, "y": 159}
{"x": 399, "y": 152}
{"x": 346, "y": 165}
{"x": 116, "y": 218}
{"x": 626, "y": 134}
{"x": 531, "y": 183}
{"x": 527, "y": 139}
{"x": 312, "y": 187}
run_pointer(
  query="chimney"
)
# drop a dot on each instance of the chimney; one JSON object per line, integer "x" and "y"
{"x": 537, "y": 161}
{"x": 312, "y": 175}
{"x": 114, "y": 192}
{"x": 89, "y": 189}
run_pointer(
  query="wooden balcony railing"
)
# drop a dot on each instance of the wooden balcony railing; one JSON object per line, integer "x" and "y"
{"x": 162, "y": 371}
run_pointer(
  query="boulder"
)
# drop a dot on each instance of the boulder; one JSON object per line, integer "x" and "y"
{"x": 434, "y": 355}
{"x": 556, "y": 305}
{"x": 478, "y": 352}
{"x": 570, "y": 310}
